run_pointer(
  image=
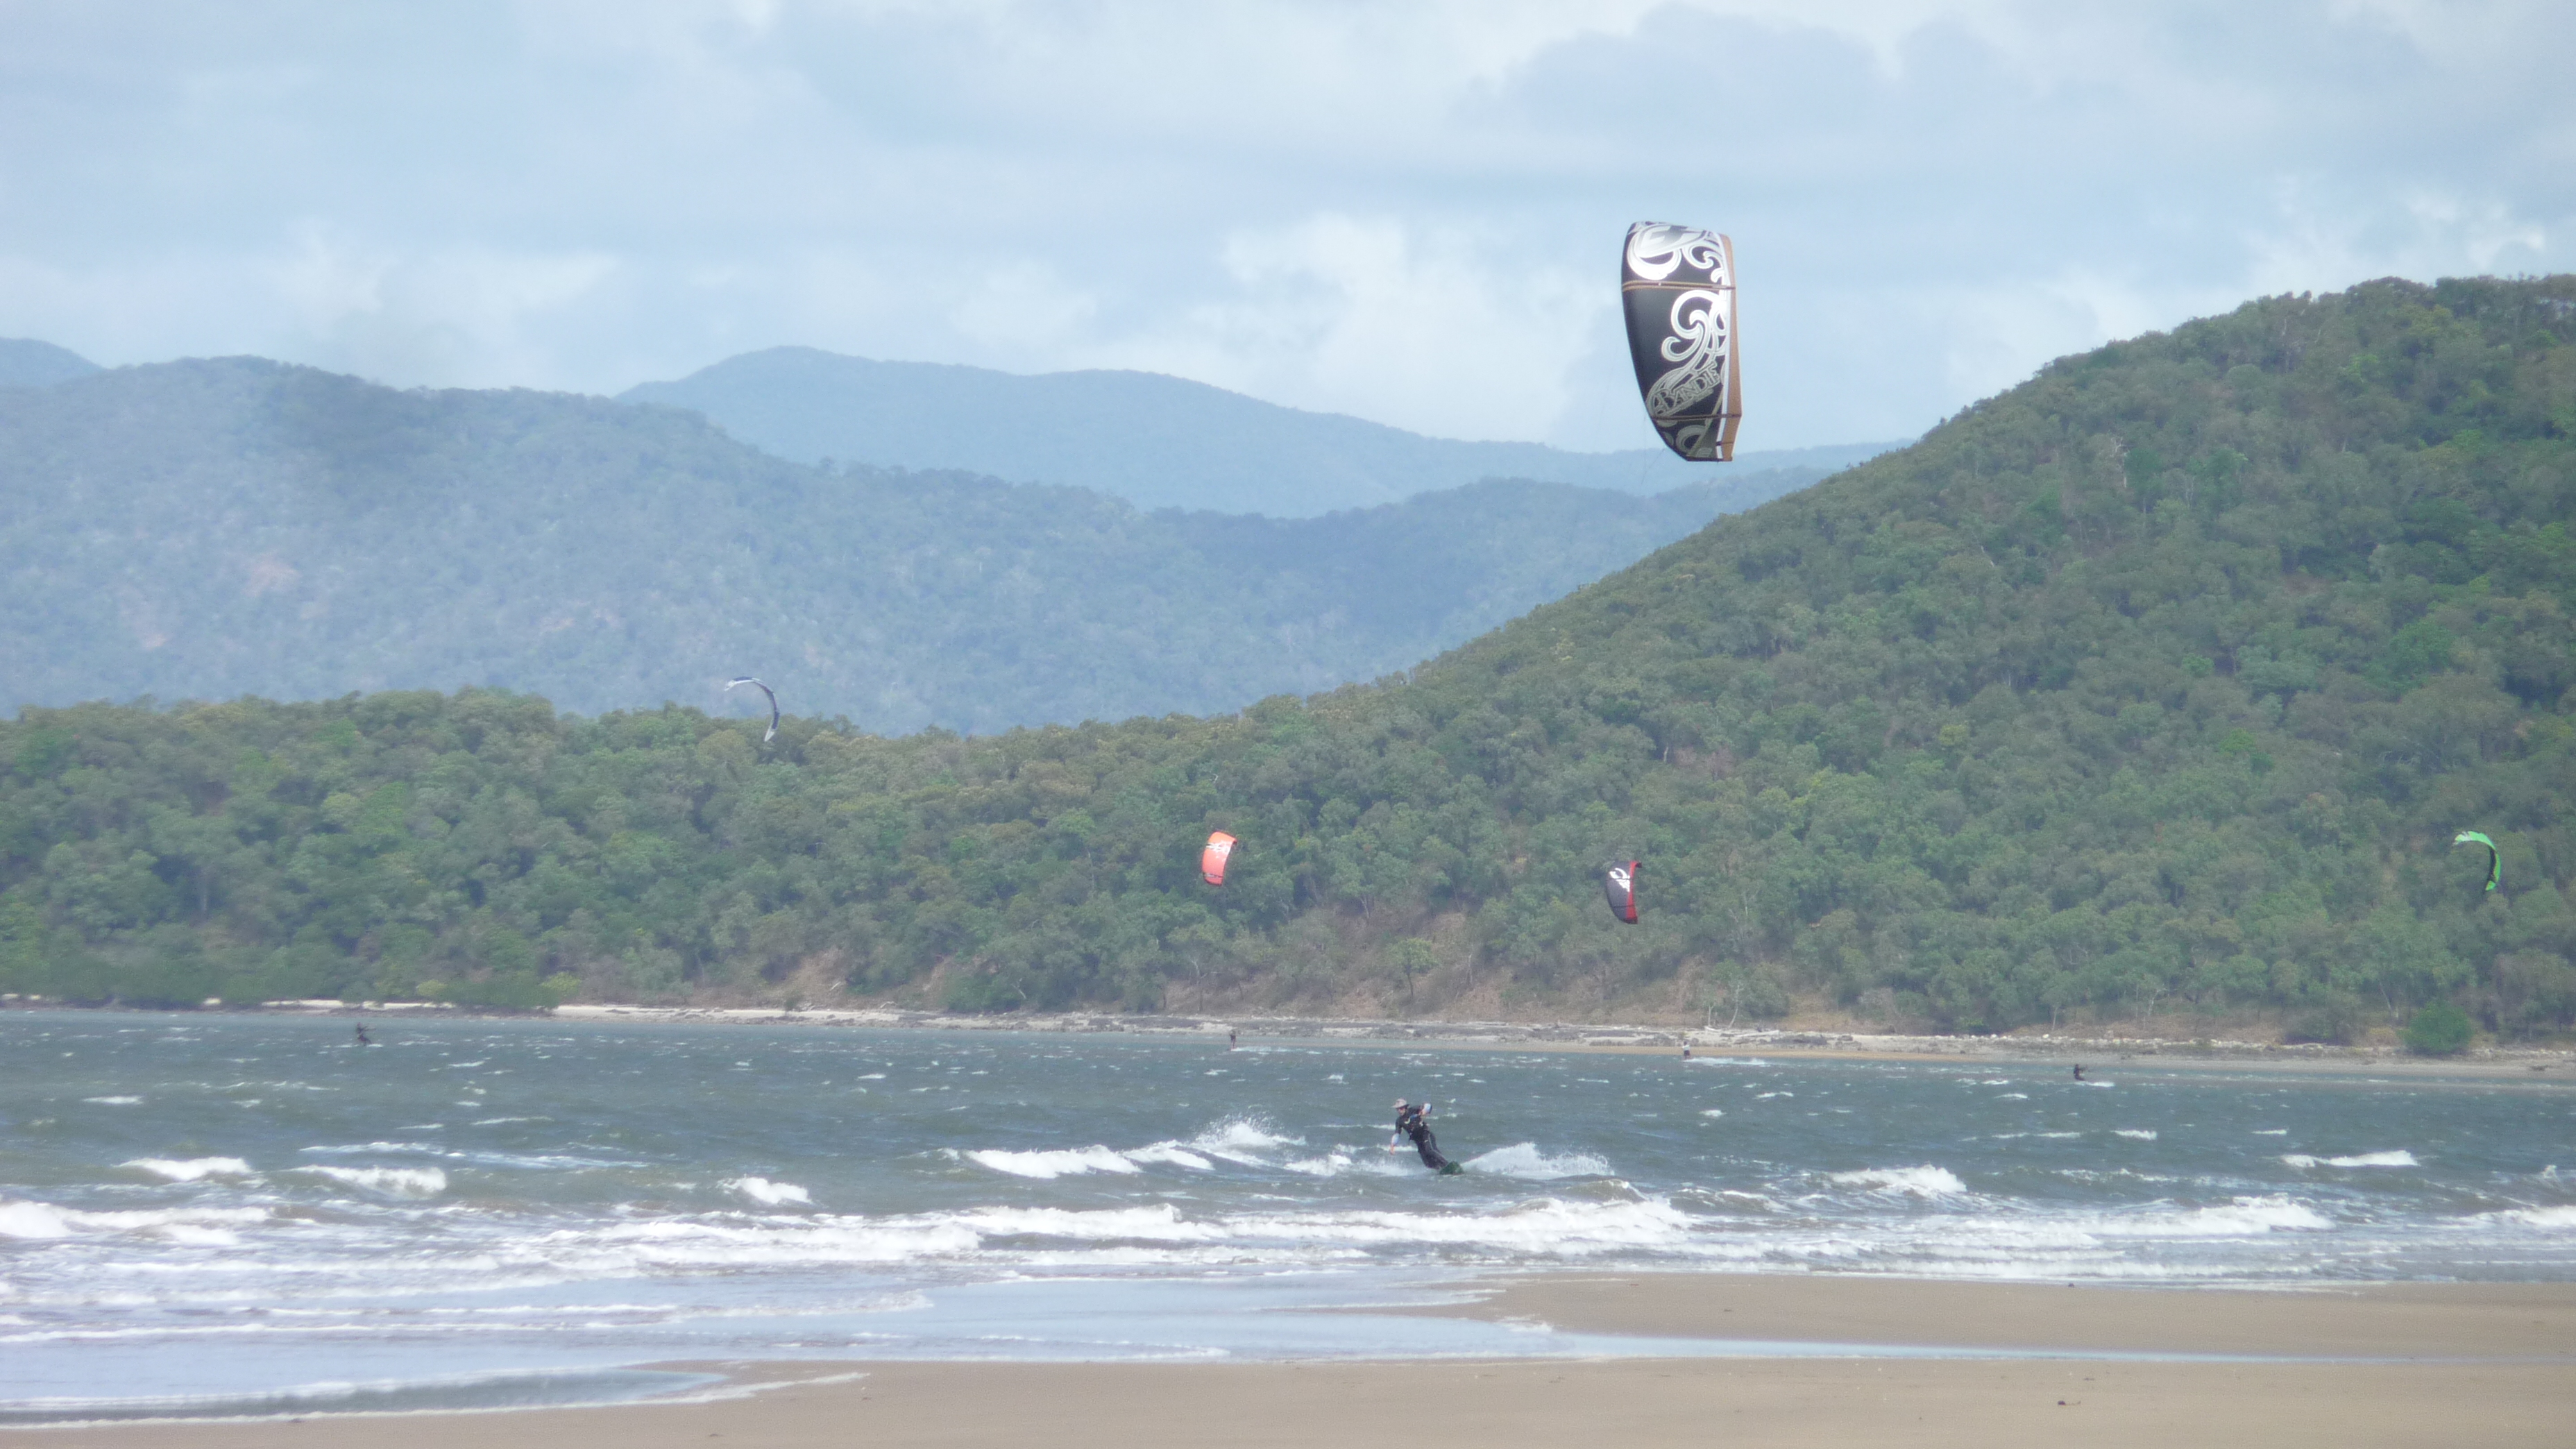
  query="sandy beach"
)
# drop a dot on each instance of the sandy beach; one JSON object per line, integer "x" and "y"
{"x": 2421, "y": 1364}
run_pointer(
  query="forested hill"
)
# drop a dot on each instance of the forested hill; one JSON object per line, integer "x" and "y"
{"x": 26, "y": 363}
{"x": 2150, "y": 691}
{"x": 203, "y": 530}
{"x": 1156, "y": 441}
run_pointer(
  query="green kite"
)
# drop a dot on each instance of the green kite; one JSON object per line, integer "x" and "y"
{"x": 2495, "y": 861}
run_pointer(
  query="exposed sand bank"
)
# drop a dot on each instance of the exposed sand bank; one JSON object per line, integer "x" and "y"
{"x": 1814, "y": 1404}
{"x": 2524, "y": 1063}
{"x": 2510, "y": 1378}
{"x": 2370, "y": 1320}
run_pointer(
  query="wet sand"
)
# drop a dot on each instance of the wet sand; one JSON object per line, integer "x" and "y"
{"x": 2451, "y": 1364}
{"x": 2490, "y": 1321}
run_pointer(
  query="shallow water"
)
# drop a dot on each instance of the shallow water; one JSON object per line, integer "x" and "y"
{"x": 215, "y": 1210}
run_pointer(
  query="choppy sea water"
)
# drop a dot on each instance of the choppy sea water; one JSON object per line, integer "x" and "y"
{"x": 243, "y": 1214}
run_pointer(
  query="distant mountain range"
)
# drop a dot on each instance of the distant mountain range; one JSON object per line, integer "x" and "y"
{"x": 1156, "y": 441}
{"x": 25, "y": 363}
{"x": 208, "y": 529}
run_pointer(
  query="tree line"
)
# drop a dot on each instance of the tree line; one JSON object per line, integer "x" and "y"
{"x": 2153, "y": 689}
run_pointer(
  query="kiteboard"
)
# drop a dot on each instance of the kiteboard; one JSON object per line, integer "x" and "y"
{"x": 1452, "y": 1170}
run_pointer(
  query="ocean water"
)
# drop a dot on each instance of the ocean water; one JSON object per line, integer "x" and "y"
{"x": 236, "y": 1214}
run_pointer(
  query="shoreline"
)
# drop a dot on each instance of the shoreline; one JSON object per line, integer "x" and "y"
{"x": 2358, "y": 1364}
{"x": 2535, "y": 1063}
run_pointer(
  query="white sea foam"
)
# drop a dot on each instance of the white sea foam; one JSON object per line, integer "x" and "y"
{"x": 1713, "y": 1112}
{"x": 2548, "y": 1217}
{"x": 21, "y": 1218}
{"x": 1060, "y": 1162}
{"x": 1171, "y": 1153}
{"x": 2271, "y": 1131}
{"x": 1524, "y": 1160}
{"x": 767, "y": 1193}
{"x": 2398, "y": 1158}
{"x": 2141, "y": 1134}
{"x": 191, "y": 1169}
{"x": 387, "y": 1181}
{"x": 1924, "y": 1181}
{"x": 2244, "y": 1216}
{"x": 1767, "y": 1096}
{"x": 1242, "y": 1135}
{"x": 115, "y": 1101}
{"x": 2012, "y": 1096}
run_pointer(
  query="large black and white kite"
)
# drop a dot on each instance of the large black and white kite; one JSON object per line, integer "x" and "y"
{"x": 773, "y": 703}
{"x": 1677, "y": 286}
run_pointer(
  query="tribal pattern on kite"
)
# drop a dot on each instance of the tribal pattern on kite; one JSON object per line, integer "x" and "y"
{"x": 1677, "y": 285}
{"x": 773, "y": 703}
{"x": 2495, "y": 859}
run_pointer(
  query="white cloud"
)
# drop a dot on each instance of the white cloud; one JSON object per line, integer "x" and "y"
{"x": 1405, "y": 212}
{"x": 1366, "y": 315}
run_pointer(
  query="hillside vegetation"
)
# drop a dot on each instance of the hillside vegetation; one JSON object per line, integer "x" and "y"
{"x": 2150, "y": 691}
{"x": 205, "y": 530}
{"x": 1156, "y": 441}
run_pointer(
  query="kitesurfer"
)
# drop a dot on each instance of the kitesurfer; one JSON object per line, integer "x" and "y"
{"x": 362, "y": 1035}
{"x": 1415, "y": 1123}
{"x": 2079, "y": 1071}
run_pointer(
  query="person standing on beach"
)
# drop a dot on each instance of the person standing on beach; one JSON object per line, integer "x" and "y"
{"x": 1415, "y": 1122}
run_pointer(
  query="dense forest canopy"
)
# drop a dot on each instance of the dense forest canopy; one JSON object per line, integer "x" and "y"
{"x": 217, "y": 528}
{"x": 2155, "y": 688}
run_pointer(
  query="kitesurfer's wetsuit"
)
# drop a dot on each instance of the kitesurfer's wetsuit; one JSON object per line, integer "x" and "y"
{"x": 1414, "y": 1122}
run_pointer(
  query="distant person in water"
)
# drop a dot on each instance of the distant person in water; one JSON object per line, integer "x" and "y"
{"x": 2079, "y": 1071}
{"x": 1415, "y": 1122}
{"x": 1685, "y": 1053}
{"x": 362, "y": 1035}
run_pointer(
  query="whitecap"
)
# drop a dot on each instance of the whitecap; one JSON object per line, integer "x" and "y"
{"x": 1171, "y": 1153}
{"x": 191, "y": 1169}
{"x": 2141, "y": 1134}
{"x": 2548, "y": 1217}
{"x": 389, "y": 1181}
{"x": 767, "y": 1193}
{"x": 2397, "y": 1158}
{"x": 2012, "y": 1096}
{"x": 2271, "y": 1131}
{"x": 1924, "y": 1181}
{"x": 1239, "y": 1139}
{"x": 1059, "y": 1162}
{"x": 1524, "y": 1160}
{"x": 29, "y": 1219}
{"x": 1368, "y": 1164}
{"x": 1713, "y": 1112}
{"x": 1767, "y": 1096}
{"x": 115, "y": 1101}
{"x": 2244, "y": 1216}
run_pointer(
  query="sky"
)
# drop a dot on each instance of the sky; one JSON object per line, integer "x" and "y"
{"x": 1410, "y": 212}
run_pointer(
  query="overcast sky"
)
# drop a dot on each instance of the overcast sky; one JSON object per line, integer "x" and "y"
{"x": 1407, "y": 211}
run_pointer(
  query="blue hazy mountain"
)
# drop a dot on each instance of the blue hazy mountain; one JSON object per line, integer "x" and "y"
{"x": 28, "y": 363}
{"x": 207, "y": 529}
{"x": 1156, "y": 441}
